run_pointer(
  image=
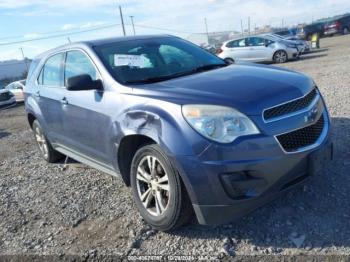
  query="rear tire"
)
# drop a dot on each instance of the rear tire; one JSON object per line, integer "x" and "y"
{"x": 158, "y": 191}
{"x": 46, "y": 150}
{"x": 280, "y": 57}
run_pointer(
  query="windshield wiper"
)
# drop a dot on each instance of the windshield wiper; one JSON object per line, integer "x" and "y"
{"x": 167, "y": 77}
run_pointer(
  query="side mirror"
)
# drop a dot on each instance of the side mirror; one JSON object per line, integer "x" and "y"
{"x": 83, "y": 82}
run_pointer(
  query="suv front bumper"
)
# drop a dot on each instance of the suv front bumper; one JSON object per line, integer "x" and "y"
{"x": 226, "y": 182}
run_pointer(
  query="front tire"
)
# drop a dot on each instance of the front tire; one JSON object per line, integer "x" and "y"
{"x": 280, "y": 57}
{"x": 44, "y": 145}
{"x": 158, "y": 191}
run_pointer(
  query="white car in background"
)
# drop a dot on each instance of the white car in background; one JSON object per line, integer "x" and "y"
{"x": 16, "y": 88}
{"x": 258, "y": 49}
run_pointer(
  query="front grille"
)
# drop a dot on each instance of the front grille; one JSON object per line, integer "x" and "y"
{"x": 290, "y": 107}
{"x": 4, "y": 96}
{"x": 302, "y": 137}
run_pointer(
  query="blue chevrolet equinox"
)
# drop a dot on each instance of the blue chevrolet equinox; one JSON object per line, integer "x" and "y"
{"x": 187, "y": 132}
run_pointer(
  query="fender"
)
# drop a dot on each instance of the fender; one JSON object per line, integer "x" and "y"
{"x": 32, "y": 107}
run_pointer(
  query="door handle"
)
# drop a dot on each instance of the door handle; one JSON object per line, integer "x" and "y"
{"x": 64, "y": 101}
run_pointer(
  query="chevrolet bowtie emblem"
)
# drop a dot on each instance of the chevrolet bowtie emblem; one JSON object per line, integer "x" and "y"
{"x": 311, "y": 115}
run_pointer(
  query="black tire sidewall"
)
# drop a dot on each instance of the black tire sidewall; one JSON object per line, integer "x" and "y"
{"x": 169, "y": 218}
{"x": 52, "y": 156}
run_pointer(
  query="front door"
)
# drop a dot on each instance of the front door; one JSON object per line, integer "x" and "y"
{"x": 258, "y": 50}
{"x": 86, "y": 120}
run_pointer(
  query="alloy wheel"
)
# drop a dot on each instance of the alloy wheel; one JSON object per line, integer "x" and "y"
{"x": 153, "y": 185}
{"x": 41, "y": 140}
{"x": 281, "y": 57}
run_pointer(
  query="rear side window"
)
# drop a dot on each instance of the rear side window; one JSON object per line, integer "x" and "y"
{"x": 32, "y": 68}
{"x": 51, "y": 72}
{"x": 77, "y": 63}
{"x": 236, "y": 43}
{"x": 256, "y": 41}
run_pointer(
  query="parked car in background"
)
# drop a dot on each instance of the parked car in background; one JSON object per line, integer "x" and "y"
{"x": 303, "y": 46}
{"x": 286, "y": 33}
{"x": 258, "y": 49}
{"x": 306, "y": 32}
{"x": 16, "y": 88}
{"x": 188, "y": 133}
{"x": 7, "y": 99}
{"x": 338, "y": 26}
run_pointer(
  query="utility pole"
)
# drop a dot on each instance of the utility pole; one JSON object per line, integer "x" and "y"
{"x": 132, "y": 22}
{"x": 242, "y": 27}
{"x": 24, "y": 58}
{"x": 206, "y": 29}
{"x": 69, "y": 41}
{"x": 249, "y": 25}
{"x": 282, "y": 22}
{"x": 122, "y": 19}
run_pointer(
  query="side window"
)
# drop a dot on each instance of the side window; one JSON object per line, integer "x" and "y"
{"x": 77, "y": 63}
{"x": 256, "y": 41}
{"x": 236, "y": 43}
{"x": 51, "y": 72}
{"x": 9, "y": 87}
{"x": 32, "y": 68}
{"x": 17, "y": 86}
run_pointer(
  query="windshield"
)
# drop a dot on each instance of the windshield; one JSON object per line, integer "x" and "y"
{"x": 154, "y": 60}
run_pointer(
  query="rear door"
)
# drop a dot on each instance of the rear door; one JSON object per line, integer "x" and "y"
{"x": 258, "y": 49}
{"x": 238, "y": 50}
{"x": 49, "y": 97}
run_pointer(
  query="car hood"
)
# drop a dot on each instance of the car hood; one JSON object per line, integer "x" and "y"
{"x": 249, "y": 88}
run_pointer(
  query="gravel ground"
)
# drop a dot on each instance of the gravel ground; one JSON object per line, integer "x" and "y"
{"x": 46, "y": 209}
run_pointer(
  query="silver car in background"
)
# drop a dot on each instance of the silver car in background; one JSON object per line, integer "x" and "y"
{"x": 258, "y": 49}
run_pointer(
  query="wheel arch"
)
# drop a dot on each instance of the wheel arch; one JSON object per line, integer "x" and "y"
{"x": 127, "y": 149}
{"x": 279, "y": 50}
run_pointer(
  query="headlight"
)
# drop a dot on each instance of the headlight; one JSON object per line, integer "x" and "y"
{"x": 218, "y": 123}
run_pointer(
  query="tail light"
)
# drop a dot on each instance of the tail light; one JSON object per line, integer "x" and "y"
{"x": 337, "y": 25}
{"x": 219, "y": 51}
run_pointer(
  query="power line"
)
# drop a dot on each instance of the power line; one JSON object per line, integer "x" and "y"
{"x": 65, "y": 34}
{"x": 57, "y": 31}
{"x": 58, "y": 35}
